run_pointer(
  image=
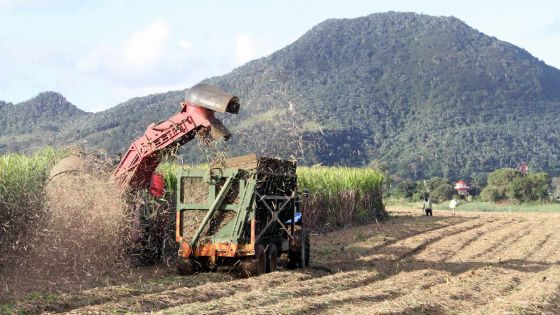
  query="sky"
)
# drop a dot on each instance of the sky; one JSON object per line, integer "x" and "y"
{"x": 104, "y": 52}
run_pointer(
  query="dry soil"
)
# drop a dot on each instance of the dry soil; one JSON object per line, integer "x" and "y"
{"x": 472, "y": 263}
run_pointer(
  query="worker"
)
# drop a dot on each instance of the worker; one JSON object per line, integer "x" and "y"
{"x": 453, "y": 204}
{"x": 428, "y": 206}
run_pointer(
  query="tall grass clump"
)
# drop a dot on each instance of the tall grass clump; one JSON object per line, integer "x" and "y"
{"x": 340, "y": 196}
{"x": 22, "y": 180}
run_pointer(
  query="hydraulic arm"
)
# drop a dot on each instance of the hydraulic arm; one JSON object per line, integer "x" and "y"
{"x": 197, "y": 112}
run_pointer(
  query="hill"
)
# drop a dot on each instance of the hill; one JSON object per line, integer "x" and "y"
{"x": 37, "y": 121}
{"x": 425, "y": 95}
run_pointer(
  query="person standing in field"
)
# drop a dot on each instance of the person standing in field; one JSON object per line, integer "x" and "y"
{"x": 453, "y": 204}
{"x": 427, "y": 206}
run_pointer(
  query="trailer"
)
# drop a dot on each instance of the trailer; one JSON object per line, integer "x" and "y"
{"x": 246, "y": 215}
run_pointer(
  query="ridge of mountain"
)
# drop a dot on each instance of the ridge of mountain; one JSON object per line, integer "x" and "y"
{"x": 425, "y": 95}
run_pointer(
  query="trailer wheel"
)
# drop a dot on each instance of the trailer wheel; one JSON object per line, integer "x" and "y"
{"x": 271, "y": 258}
{"x": 186, "y": 266}
{"x": 255, "y": 265}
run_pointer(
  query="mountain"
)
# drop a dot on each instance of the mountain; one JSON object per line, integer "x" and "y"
{"x": 37, "y": 121}
{"x": 425, "y": 95}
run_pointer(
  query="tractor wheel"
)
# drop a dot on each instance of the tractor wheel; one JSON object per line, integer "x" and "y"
{"x": 271, "y": 258}
{"x": 186, "y": 266}
{"x": 256, "y": 265}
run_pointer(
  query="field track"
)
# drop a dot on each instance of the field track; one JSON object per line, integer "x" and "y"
{"x": 472, "y": 263}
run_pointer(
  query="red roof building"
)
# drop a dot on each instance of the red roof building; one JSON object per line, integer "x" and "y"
{"x": 523, "y": 168}
{"x": 462, "y": 187}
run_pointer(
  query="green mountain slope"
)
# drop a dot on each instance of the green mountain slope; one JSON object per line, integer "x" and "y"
{"x": 36, "y": 122}
{"x": 426, "y": 95}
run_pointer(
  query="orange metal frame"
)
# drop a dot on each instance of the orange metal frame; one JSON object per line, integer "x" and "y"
{"x": 214, "y": 250}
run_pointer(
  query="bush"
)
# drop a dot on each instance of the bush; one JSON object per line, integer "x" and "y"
{"x": 490, "y": 194}
{"x": 502, "y": 177}
{"x": 499, "y": 182}
{"x": 509, "y": 183}
{"x": 532, "y": 187}
{"x": 442, "y": 192}
{"x": 435, "y": 182}
{"x": 405, "y": 189}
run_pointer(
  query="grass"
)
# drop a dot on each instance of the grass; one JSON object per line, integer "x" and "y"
{"x": 7, "y": 309}
{"x": 482, "y": 206}
{"x": 22, "y": 179}
{"x": 494, "y": 207}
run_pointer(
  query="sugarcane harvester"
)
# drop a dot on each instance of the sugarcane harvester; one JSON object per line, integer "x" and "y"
{"x": 246, "y": 214}
{"x": 136, "y": 171}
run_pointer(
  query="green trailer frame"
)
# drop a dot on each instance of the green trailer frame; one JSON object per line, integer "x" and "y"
{"x": 241, "y": 215}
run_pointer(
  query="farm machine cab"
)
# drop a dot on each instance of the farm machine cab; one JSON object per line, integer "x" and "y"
{"x": 245, "y": 215}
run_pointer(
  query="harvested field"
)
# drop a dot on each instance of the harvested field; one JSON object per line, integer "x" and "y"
{"x": 473, "y": 263}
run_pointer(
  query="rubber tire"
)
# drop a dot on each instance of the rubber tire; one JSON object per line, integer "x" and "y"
{"x": 255, "y": 265}
{"x": 186, "y": 266}
{"x": 271, "y": 258}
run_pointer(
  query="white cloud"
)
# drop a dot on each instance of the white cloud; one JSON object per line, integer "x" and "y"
{"x": 186, "y": 47}
{"x": 245, "y": 49}
{"x": 146, "y": 46}
{"x": 139, "y": 53}
{"x": 96, "y": 59}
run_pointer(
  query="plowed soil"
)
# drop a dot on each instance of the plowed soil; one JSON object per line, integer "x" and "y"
{"x": 472, "y": 263}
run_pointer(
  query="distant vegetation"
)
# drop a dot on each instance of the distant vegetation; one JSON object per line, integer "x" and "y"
{"x": 502, "y": 185}
{"x": 510, "y": 184}
{"x": 428, "y": 96}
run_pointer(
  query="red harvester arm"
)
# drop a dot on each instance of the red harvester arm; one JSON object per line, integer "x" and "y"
{"x": 197, "y": 112}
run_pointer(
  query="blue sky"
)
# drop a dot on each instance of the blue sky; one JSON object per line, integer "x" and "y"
{"x": 101, "y": 53}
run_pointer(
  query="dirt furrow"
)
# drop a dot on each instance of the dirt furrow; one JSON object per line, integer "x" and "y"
{"x": 169, "y": 298}
{"x": 529, "y": 295}
{"x": 410, "y": 246}
{"x": 549, "y": 250}
{"x": 449, "y": 246}
{"x": 491, "y": 241}
{"x": 289, "y": 290}
{"x": 481, "y": 263}
{"x": 102, "y": 295}
{"x": 506, "y": 248}
{"x": 380, "y": 291}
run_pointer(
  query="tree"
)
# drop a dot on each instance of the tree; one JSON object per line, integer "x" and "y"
{"x": 556, "y": 187}
{"x": 442, "y": 192}
{"x": 508, "y": 183}
{"x": 531, "y": 187}
{"x": 405, "y": 188}
{"x": 499, "y": 182}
